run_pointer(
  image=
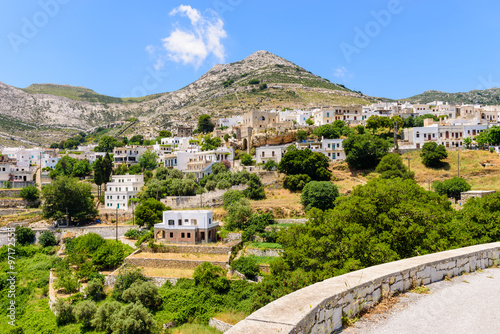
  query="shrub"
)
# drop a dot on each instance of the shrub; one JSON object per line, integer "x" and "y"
{"x": 67, "y": 281}
{"x": 24, "y": 235}
{"x": 126, "y": 277}
{"x": 143, "y": 292}
{"x": 255, "y": 188}
{"x": 238, "y": 215}
{"x": 223, "y": 184}
{"x": 247, "y": 265}
{"x": 254, "y": 82}
{"x": 432, "y": 154}
{"x": 103, "y": 317}
{"x": 7, "y": 184}
{"x": 296, "y": 182}
{"x": 95, "y": 290}
{"x": 451, "y": 187}
{"x": 319, "y": 194}
{"x": 210, "y": 185}
{"x": 47, "y": 238}
{"x": 64, "y": 312}
{"x": 109, "y": 255}
{"x": 246, "y": 159}
{"x": 30, "y": 193}
{"x": 134, "y": 233}
{"x": 133, "y": 319}
{"x": 230, "y": 197}
{"x": 84, "y": 311}
{"x": 270, "y": 165}
{"x": 212, "y": 277}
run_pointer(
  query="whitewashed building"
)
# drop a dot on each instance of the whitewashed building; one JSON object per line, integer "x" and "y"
{"x": 187, "y": 227}
{"x": 265, "y": 153}
{"x": 121, "y": 189}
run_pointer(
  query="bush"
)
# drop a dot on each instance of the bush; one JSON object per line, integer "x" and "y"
{"x": 134, "y": 233}
{"x": 451, "y": 187}
{"x": 24, "y": 235}
{"x": 133, "y": 319}
{"x": 432, "y": 154}
{"x": 7, "y": 184}
{"x": 230, "y": 197}
{"x": 30, "y": 193}
{"x": 109, "y": 255}
{"x": 392, "y": 166}
{"x": 143, "y": 292}
{"x": 64, "y": 312}
{"x": 364, "y": 151}
{"x": 47, "y": 238}
{"x": 246, "y": 159}
{"x": 254, "y": 82}
{"x": 270, "y": 165}
{"x": 67, "y": 281}
{"x": 84, "y": 311}
{"x": 247, "y": 265}
{"x": 296, "y": 182}
{"x": 319, "y": 194}
{"x": 212, "y": 277}
{"x": 126, "y": 277}
{"x": 210, "y": 185}
{"x": 223, "y": 184}
{"x": 103, "y": 317}
{"x": 95, "y": 290}
{"x": 238, "y": 215}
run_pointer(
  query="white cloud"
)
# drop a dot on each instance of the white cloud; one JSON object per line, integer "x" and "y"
{"x": 192, "y": 45}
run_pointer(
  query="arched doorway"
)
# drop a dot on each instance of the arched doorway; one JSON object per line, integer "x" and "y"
{"x": 245, "y": 144}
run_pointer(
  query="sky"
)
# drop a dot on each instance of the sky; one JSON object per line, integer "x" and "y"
{"x": 385, "y": 48}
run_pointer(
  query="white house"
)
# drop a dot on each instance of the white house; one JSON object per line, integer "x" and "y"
{"x": 265, "y": 153}
{"x": 333, "y": 149}
{"x": 187, "y": 226}
{"x": 121, "y": 189}
{"x": 128, "y": 155}
{"x": 230, "y": 121}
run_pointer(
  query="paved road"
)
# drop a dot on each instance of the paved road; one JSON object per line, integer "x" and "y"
{"x": 466, "y": 304}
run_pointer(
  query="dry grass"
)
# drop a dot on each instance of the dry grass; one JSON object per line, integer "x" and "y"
{"x": 231, "y": 317}
{"x": 182, "y": 256}
{"x": 165, "y": 272}
{"x": 479, "y": 177}
{"x": 281, "y": 202}
{"x": 194, "y": 329}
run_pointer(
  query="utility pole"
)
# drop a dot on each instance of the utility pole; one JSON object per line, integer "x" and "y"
{"x": 409, "y": 170}
{"x": 396, "y": 147}
{"x": 458, "y": 162}
{"x": 116, "y": 222}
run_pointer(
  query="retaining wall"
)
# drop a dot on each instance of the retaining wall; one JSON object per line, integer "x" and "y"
{"x": 12, "y": 193}
{"x": 103, "y": 231}
{"x": 264, "y": 252}
{"x": 170, "y": 263}
{"x": 319, "y": 308}
{"x": 220, "y": 250}
{"x": 219, "y": 325}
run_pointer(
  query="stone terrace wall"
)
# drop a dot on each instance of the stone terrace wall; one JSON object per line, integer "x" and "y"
{"x": 264, "y": 252}
{"x": 220, "y": 250}
{"x": 319, "y": 308}
{"x": 219, "y": 325}
{"x": 170, "y": 263}
{"x": 12, "y": 193}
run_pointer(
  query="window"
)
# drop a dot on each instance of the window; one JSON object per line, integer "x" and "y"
{"x": 418, "y": 134}
{"x": 180, "y": 222}
{"x": 189, "y": 235}
{"x": 182, "y": 235}
{"x": 193, "y": 222}
{"x": 209, "y": 220}
{"x": 327, "y": 114}
{"x": 171, "y": 235}
{"x": 171, "y": 222}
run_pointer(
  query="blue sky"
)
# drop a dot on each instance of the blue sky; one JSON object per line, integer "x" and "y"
{"x": 389, "y": 48}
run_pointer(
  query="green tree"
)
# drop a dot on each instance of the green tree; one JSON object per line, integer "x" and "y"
{"x": 148, "y": 160}
{"x": 109, "y": 255}
{"x": 432, "y": 154}
{"x": 246, "y": 159}
{"x": 226, "y": 137}
{"x": 270, "y": 165}
{"x": 165, "y": 134}
{"x": 364, "y": 151}
{"x": 144, "y": 292}
{"x": 296, "y": 182}
{"x": 133, "y": 319}
{"x": 231, "y": 197}
{"x": 382, "y": 221}
{"x": 210, "y": 143}
{"x": 137, "y": 139}
{"x": 392, "y": 166}
{"x": 84, "y": 312}
{"x": 24, "y": 235}
{"x": 451, "y": 187}
{"x": 306, "y": 162}
{"x": 212, "y": 277}
{"x": 319, "y": 194}
{"x": 63, "y": 167}
{"x": 30, "y": 193}
{"x": 82, "y": 168}
{"x": 107, "y": 168}
{"x": 98, "y": 174}
{"x": 247, "y": 265}
{"x": 238, "y": 214}
{"x": 7, "y": 184}
{"x": 120, "y": 170}
{"x": 104, "y": 316}
{"x": 125, "y": 278}
{"x": 95, "y": 290}
{"x": 66, "y": 195}
{"x": 205, "y": 124}
{"x": 64, "y": 312}
{"x": 310, "y": 121}
{"x": 255, "y": 188}
{"x": 47, "y": 238}
{"x": 107, "y": 144}
{"x": 301, "y": 135}
{"x": 467, "y": 142}
{"x": 494, "y": 135}
{"x": 149, "y": 212}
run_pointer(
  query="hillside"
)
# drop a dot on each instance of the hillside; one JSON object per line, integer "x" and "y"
{"x": 485, "y": 97}
{"x": 260, "y": 81}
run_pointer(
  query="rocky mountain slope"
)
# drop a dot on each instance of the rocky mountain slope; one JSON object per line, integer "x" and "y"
{"x": 485, "y": 97}
{"x": 260, "y": 81}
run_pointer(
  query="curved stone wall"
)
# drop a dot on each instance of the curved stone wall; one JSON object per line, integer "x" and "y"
{"x": 319, "y": 308}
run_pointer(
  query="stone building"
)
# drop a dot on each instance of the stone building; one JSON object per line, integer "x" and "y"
{"x": 186, "y": 227}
